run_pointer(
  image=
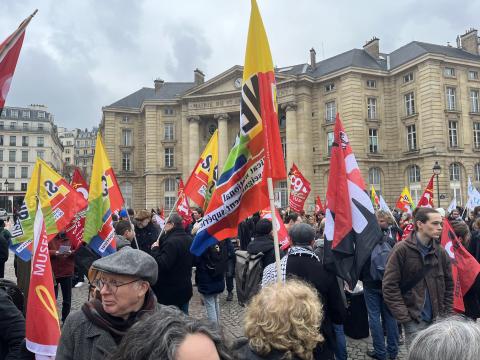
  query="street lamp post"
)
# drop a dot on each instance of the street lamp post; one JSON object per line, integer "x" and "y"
{"x": 6, "y": 183}
{"x": 437, "y": 169}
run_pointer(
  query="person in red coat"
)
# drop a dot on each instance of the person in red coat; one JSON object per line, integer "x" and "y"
{"x": 62, "y": 257}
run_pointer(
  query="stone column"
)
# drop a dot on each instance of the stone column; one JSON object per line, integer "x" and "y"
{"x": 193, "y": 140}
{"x": 222, "y": 120}
{"x": 291, "y": 133}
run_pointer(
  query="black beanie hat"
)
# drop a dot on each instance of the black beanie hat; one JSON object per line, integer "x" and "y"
{"x": 263, "y": 227}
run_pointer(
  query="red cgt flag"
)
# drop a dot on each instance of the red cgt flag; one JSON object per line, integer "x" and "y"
{"x": 299, "y": 189}
{"x": 318, "y": 205}
{"x": 42, "y": 327}
{"x": 283, "y": 238}
{"x": 9, "y": 53}
{"x": 427, "y": 198}
{"x": 465, "y": 268}
{"x": 183, "y": 208}
{"x": 75, "y": 229}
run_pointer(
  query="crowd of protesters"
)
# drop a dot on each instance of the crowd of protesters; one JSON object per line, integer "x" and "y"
{"x": 138, "y": 305}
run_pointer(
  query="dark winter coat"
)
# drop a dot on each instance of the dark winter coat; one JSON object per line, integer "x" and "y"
{"x": 474, "y": 245}
{"x": 12, "y": 329}
{"x": 206, "y": 283}
{"x": 5, "y": 238}
{"x": 62, "y": 265}
{"x": 174, "y": 260}
{"x": 405, "y": 263}
{"x": 311, "y": 270}
{"x": 471, "y": 300}
{"x": 242, "y": 351}
{"x": 245, "y": 232}
{"x": 146, "y": 237}
{"x": 263, "y": 244}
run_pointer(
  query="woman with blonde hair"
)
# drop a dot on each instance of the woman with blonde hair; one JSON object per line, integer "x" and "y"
{"x": 282, "y": 322}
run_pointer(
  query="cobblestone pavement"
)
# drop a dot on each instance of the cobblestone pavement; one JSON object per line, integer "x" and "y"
{"x": 231, "y": 316}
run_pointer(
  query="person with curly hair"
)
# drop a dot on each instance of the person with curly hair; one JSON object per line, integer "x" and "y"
{"x": 282, "y": 322}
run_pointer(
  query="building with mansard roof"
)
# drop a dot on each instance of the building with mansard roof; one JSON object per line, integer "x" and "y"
{"x": 403, "y": 112}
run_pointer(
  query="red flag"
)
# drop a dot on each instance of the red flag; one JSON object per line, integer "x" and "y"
{"x": 465, "y": 268}
{"x": 183, "y": 208}
{"x": 299, "y": 189}
{"x": 427, "y": 198}
{"x": 9, "y": 53}
{"x": 283, "y": 238}
{"x": 75, "y": 229}
{"x": 351, "y": 228}
{"x": 407, "y": 230}
{"x": 42, "y": 327}
{"x": 318, "y": 205}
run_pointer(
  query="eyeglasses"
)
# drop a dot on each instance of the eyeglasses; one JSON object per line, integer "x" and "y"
{"x": 112, "y": 285}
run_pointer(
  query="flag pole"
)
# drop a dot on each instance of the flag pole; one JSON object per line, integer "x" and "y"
{"x": 171, "y": 211}
{"x": 275, "y": 232}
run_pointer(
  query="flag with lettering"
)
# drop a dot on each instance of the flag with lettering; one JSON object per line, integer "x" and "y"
{"x": 104, "y": 199}
{"x": 183, "y": 208}
{"x": 200, "y": 184}
{"x": 319, "y": 208}
{"x": 76, "y": 227}
{"x": 42, "y": 326}
{"x": 283, "y": 238}
{"x": 299, "y": 189}
{"x": 405, "y": 202}
{"x": 427, "y": 198}
{"x": 465, "y": 268}
{"x": 241, "y": 189}
{"x": 58, "y": 200}
{"x": 351, "y": 228}
{"x": 9, "y": 53}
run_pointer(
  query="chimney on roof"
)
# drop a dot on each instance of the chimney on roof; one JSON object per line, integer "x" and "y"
{"x": 459, "y": 43}
{"x": 198, "y": 77}
{"x": 313, "y": 58}
{"x": 158, "y": 84}
{"x": 372, "y": 47}
{"x": 470, "y": 41}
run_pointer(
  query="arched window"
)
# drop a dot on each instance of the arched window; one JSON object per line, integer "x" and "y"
{"x": 375, "y": 178}
{"x": 170, "y": 194}
{"x": 477, "y": 172}
{"x": 414, "y": 184}
{"x": 127, "y": 192}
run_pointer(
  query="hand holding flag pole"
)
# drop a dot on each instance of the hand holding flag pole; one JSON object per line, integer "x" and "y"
{"x": 132, "y": 227}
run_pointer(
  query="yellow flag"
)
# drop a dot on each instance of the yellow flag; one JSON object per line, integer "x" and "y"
{"x": 405, "y": 202}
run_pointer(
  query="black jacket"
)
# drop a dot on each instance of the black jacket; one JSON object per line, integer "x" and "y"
{"x": 245, "y": 232}
{"x": 471, "y": 300}
{"x": 309, "y": 269}
{"x": 242, "y": 351}
{"x": 4, "y": 242}
{"x": 263, "y": 244}
{"x": 210, "y": 272}
{"x": 474, "y": 245}
{"x": 12, "y": 329}
{"x": 174, "y": 260}
{"x": 146, "y": 237}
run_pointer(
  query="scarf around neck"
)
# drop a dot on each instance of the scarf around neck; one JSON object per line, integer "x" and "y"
{"x": 116, "y": 326}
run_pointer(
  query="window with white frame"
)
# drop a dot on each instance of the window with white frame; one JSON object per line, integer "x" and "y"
{"x": 41, "y": 154}
{"x": 170, "y": 185}
{"x": 373, "y": 141}
{"x": 453, "y": 133}
{"x": 14, "y": 114}
{"x": 169, "y": 157}
{"x": 409, "y": 104}
{"x": 127, "y": 137}
{"x": 408, "y": 77}
{"x": 170, "y": 193}
{"x": 476, "y": 135}
{"x": 414, "y": 174}
{"x": 40, "y": 141}
{"x": 127, "y": 191}
{"x": 375, "y": 178}
{"x": 454, "y": 172}
{"x": 11, "y": 172}
{"x": 24, "y": 140}
{"x": 451, "y": 95}
{"x": 281, "y": 194}
{"x": 449, "y": 72}
{"x": 329, "y": 87}
{"x": 168, "y": 111}
{"x": 371, "y": 84}
{"x": 477, "y": 172}
{"x": 23, "y": 186}
{"x": 41, "y": 114}
{"x": 12, "y": 155}
{"x": 25, "y": 156}
{"x": 372, "y": 108}
{"x": 474, "y": 104}
{"x": 24, "y": 172}
{"x": 168, "y": 131}
{"x": 473, "y": 75}
{"x": 330, "y": 137}
{"x": 330, "y": 111}
{"x": 411, "y": 137}
{"x": 126, "y": 161}
{"x": 40, "y": 127}
{"x": 13, "y": 140}
{"x": 26, "y": 114}
{"x": 125, "y": 119}
{"x": 25, "y": 126}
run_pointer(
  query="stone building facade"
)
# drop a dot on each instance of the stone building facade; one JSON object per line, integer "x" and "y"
{"x": 25, "y": 134}
{"x": 402, "y": 111}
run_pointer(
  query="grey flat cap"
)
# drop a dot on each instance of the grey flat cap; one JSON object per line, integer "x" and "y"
{"x": 131, "y": 262}
{"x": 302, "y": 234}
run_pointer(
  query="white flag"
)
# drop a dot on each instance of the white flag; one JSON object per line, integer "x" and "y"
{"x": 452, "y": 206}
{"x": 383, "y": 205}
{"x": 473, "y": 196}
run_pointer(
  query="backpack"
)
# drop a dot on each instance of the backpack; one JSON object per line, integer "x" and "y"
{"x": 248, "y": 275}
{"x": 14, "y": 293}
{"x": 217, "y": 259}
{"x": 380, "y": 254}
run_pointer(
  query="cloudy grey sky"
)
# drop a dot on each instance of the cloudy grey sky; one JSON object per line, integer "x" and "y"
{"x": 80, "y": 55}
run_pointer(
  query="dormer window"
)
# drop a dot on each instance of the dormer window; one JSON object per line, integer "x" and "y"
{"x": 329, "y": 87}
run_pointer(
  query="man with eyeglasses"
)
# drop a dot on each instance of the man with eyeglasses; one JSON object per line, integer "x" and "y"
{"x": 122, "y": 295}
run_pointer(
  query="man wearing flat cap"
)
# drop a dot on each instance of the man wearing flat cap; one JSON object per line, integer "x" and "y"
{"x": 123, "y": 294}
{"x": 145, "y": 230}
